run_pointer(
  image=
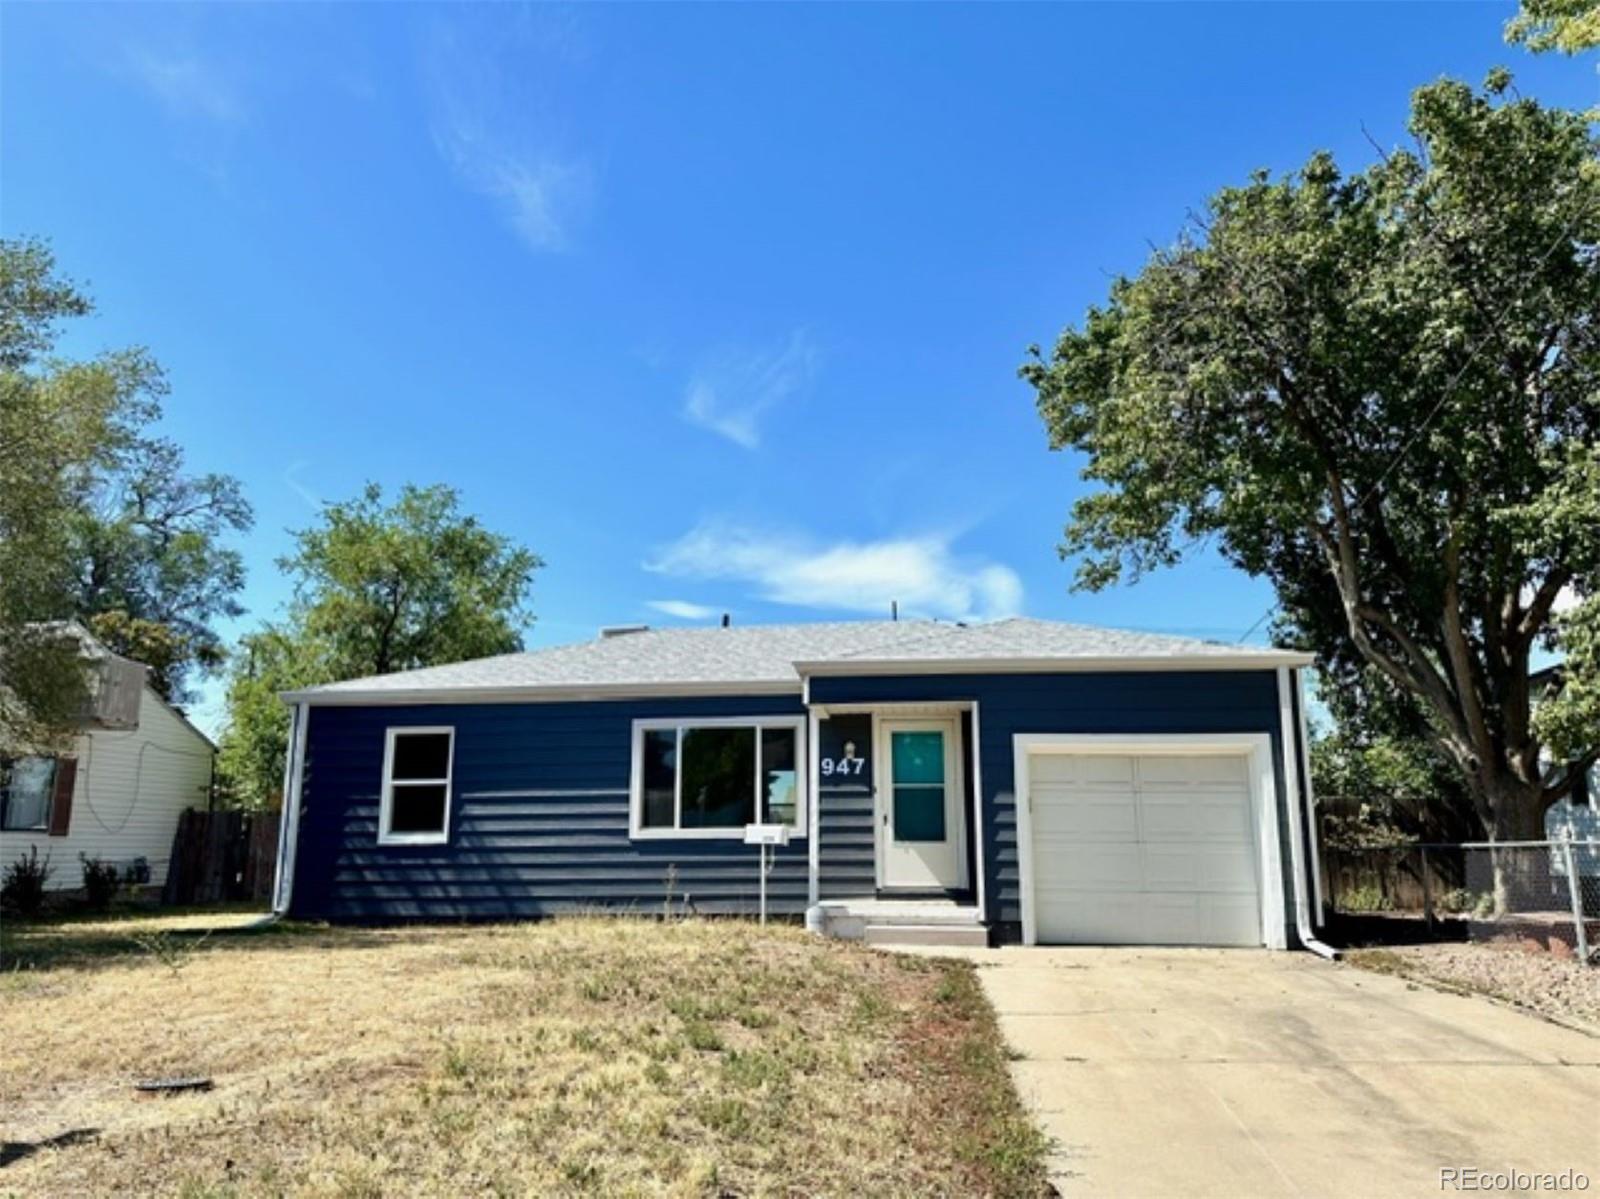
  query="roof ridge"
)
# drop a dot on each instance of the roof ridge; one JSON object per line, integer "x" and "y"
{"x": 940, "y": 629}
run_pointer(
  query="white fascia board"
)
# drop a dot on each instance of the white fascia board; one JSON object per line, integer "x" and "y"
{"x": 534, "y": 695}
{"x": 1270, "y": 660}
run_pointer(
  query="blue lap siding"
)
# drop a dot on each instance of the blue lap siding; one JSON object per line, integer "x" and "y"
{"x": 1130, "y": 702}
{"x": 513, "y": 854}
{"x": 848, "y": 861}
{"x": 539, "y": 804}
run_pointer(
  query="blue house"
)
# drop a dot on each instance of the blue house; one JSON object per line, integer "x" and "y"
{"x": 1020, "y": 780}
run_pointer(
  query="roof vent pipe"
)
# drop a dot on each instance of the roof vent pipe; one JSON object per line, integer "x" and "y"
{"x": 621, "y": 630}
{"x": 894, "y": 609}
{"x": 727, "y": 619}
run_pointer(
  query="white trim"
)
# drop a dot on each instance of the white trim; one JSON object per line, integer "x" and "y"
{"x": 877, "y": 792}
{"x": 283, "y": 812}
{"x": 898, "y": 708}
{"x": 386, "y": 801}
{"x": 1291, "y": 781}
{"x": 289, "y": 827}
{"x": 1315, "y": 830}
{"x": 1263, "y": 801}
{"x": 976, "y": 750}
{"x": 537, "y": 694}
{"x": 560, "y": 793}
{"x": 813, "y": 810}
{"x": 636, "y": 829}
{"x": 1265, "y": 660}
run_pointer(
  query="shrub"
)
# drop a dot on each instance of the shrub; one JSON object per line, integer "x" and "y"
{"x": 1368, "y": 897}
{"x": 137, "y": 873}
{"x": 101, "y": 881}
{"x": 23, "y": 889}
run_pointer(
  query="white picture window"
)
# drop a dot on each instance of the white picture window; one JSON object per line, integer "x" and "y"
{"x": 709, "y": 778}
{"x": 415, "y": 809}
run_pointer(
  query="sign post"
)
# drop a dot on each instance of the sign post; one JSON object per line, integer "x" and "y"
{"x": 766, "y": 836}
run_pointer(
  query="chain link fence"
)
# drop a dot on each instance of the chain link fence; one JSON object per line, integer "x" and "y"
{"x": 1538, "y": 894}
{"x": 1545, "y": 894}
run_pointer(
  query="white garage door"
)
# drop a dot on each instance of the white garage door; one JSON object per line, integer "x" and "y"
{"x": 1149, "y": 849}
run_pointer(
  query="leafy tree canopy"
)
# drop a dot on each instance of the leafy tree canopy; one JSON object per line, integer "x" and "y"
{"x": 97, "y": 519}
{"x": 1569, "y": 26}
{"x": 378, "y": 588}
{"x": 1376, "y": 770}
{"x": 152, "y": 574}
{"x": 1380, "y": 391}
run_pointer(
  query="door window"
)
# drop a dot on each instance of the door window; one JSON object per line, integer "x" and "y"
{"x": 918, "y": 782}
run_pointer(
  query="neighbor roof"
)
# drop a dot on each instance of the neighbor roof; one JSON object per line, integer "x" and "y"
{"x": 773, "y": 658}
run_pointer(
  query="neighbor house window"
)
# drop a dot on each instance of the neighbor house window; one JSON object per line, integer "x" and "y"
{"x": 415, "y": 809}
{"x": 710, "y": 778}
{"x": 26, "y": 787}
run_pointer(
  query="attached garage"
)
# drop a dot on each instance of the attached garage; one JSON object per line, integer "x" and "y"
{"x": 1148, "y": 841}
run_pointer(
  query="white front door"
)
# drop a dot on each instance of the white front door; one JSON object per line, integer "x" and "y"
{"x": 920, "y": 830}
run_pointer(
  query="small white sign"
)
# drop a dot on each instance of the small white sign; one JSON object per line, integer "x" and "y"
{"x": 766, "y": 834}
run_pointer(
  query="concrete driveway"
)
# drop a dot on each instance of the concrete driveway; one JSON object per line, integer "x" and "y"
{"x": 1238, "y": 1072}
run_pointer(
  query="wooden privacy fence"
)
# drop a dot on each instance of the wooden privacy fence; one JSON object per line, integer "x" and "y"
{"x": 1399, "y": 878}
{"x": 222, "y": 856}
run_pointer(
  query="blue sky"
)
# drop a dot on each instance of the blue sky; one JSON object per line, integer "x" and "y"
{"x": 717, "y": 308}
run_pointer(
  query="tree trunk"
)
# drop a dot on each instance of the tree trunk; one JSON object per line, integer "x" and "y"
{"x": 1518, "y": 815}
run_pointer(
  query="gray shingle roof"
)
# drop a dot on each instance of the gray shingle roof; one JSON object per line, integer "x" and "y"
{"x": 752, "y": 657}
{"x": 1021, "y": 637}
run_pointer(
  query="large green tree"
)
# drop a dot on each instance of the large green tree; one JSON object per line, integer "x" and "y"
{"x": 98, "y": 521}
{"x": 377, "y": 588}
{"x": 1375, "y": 767}
{"x": 63, "y": 424}
{"x": 152, "y": 572}
{"x": 1381, "y": 392}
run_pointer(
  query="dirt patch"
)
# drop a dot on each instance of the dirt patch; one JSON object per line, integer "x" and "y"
{"x": 1528, "y": 977}
{"x": 596, "y": 1056}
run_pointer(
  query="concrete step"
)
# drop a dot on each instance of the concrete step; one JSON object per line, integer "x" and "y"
{"x": 913, "y": 912}
{"x": 925, "y": 934}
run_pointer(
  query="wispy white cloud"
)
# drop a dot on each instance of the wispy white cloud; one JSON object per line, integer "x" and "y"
{"x": 187, "y": 84}
{"x": 732, "y": 394}
{"x": 291, "y": 477}
{"x": 924, "y": 575}
{"x": 540, "y": 196}
{"x": 497, "y": 137}
{"x": 682, "y": 609}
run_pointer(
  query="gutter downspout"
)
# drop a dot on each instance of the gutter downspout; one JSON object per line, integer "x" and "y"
{"x": 1293, "y": 759}
{"x": 813, "y": 808}
{"x": 1313, "y": 826}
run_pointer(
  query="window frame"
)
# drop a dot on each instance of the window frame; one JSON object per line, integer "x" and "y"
{"x": 682, "y": 724}
{"x": 49, "y": 799}
{"x": 386, "y": 798}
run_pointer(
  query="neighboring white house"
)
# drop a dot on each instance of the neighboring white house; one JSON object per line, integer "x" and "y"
{"x": 118, "y": 795}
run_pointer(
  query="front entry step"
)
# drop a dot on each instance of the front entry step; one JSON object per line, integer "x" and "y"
{"x": 926, "y": 934}
{"x": 900, "y": 921}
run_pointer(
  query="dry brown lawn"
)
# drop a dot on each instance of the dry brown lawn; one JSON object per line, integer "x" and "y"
{"x": 575, "y": 1056}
